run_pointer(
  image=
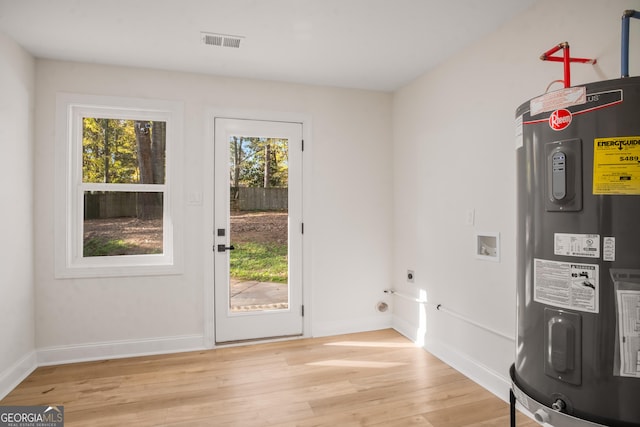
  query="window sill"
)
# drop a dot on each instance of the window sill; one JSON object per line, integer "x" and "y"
{"x": 115, "y": 270}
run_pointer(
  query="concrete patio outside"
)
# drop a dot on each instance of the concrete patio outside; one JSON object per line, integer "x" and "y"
{"x": 256, "y": 296}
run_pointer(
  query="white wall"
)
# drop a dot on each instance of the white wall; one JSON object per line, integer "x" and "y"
{"x": 17, "y": 70}
{"x": 347, "y": 220}
{"x": 454, "y": 150}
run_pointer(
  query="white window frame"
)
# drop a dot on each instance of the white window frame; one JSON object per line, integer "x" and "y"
{"x": 69, "y": 259}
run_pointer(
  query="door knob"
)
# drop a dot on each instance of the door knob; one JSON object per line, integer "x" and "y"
{"x": 222, "y": 248}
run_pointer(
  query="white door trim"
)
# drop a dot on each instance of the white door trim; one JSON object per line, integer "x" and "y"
{"x": 208, "y": 209}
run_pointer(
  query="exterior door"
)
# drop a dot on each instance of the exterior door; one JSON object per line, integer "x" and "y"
{"x": 258, "y": 229}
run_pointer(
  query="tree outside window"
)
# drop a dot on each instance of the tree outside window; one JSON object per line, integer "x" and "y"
{"x": 118, "y": 151}
{"x": 118, "y": 161}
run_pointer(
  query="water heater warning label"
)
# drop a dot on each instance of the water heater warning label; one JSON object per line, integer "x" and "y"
{"x": 616, "y": 165}
{"x": 562, "y": 98}
{"x": 566, "y": 285}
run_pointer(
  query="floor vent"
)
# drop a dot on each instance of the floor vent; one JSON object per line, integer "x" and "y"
{"x": 222, "y": 40}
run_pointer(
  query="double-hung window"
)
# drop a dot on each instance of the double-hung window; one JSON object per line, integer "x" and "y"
{"x": 118, "y": 199}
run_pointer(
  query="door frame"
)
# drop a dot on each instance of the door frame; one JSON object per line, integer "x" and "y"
{"x": 207, "y": 198}
{"x": 261, "y": 324}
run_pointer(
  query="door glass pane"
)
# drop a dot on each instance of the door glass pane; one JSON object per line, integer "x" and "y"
{"x": 258, "y": 205}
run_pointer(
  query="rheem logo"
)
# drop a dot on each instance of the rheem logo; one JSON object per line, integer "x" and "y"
{"x": 560, "y": 119}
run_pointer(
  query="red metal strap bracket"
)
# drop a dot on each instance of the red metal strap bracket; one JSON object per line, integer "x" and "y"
{"x": 566, "y": 59}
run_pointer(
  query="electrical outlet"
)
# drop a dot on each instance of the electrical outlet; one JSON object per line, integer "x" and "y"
{"x": 411, "y": 276}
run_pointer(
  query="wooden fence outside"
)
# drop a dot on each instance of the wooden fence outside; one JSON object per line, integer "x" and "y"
{"x": 116, "y": 204}
{"x": 259, "y": 199}
{"x": 101, "y": 205}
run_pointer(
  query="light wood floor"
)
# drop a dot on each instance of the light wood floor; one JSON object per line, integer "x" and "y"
{"x": 368, "y": 379}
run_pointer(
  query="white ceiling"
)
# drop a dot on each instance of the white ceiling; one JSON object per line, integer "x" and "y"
{"x": 367, "y": 44}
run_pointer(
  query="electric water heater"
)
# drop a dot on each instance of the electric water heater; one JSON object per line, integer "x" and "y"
{"x": 578, "y": 255}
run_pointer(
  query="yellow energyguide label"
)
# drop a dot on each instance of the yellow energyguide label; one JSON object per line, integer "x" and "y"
{"x": 616, "y": 165}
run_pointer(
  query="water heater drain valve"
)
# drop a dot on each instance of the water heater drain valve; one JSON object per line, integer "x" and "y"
{"x": 558, "y": 405}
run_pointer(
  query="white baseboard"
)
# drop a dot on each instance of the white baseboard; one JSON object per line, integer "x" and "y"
{"x": 373, "y": 323}
{"x": 480, "y": 374}
{"x": 406, "y": 329}
{"x": 15, "y": 374}
{"x": 487, "y": 378}
{"x": 119, "y": 349}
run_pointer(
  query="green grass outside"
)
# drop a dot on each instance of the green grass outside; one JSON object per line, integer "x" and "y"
{"x": 102, "y": 247}
{"x": 262, "y": 262}
{"x": 99, "y": 246}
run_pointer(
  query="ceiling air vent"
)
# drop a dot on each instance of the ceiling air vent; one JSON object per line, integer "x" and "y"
{"x": 222, "y": 40}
